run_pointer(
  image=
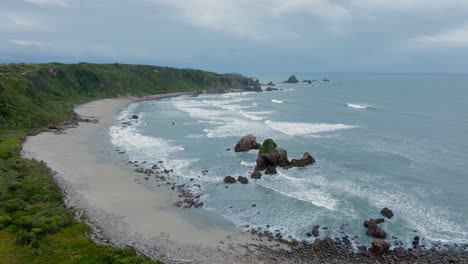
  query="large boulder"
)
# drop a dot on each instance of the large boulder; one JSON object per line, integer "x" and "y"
{"x": 292, "y": 79}
{"x": 270, "y": 157}
{"x": 242, "y": 180}
{"x": 380, "y": 247}
{"x": 247, "y": 143}
{"x": 306, "y": 159}
{"x": 271, "y": 84}
{"x": 229, "y": 179}
{"x": 374, "y": 230}
{"x": 387, "y": 213}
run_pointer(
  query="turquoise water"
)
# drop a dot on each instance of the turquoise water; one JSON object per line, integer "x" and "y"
{"x": 397, "y": 141}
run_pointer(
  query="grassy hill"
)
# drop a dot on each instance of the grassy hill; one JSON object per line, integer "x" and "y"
{"x": 35, "y": 226}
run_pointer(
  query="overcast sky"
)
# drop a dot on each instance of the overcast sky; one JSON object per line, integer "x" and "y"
{"x": 242, "y": 35}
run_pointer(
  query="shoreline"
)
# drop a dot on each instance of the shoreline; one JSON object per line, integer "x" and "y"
{"x": 119, "y": 208}
{"x": 95, "y": 181}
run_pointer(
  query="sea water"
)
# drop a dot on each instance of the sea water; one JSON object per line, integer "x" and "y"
{"x": 379, "y": 140}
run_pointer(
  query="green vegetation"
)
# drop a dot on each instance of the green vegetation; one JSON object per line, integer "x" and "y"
{"x": 35, "y": 226}
{"x": 268, "y": 146}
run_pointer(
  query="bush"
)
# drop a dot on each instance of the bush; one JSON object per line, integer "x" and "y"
{"x": 24, "y": 238}
{"x": 5, "y": 220}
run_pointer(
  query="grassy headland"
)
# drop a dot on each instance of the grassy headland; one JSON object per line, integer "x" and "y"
{"x": 35, "y": 225}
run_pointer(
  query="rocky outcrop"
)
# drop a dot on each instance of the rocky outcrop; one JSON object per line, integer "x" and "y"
{"x": 387, "y": 212}
{"x": 373, "y": 229}
{"x": 229, "y": 179}
{"x": 306, "y": 159}
{"x": 292, "y": 79}
{"x": 256, "y": 175}
{"x": 247, "y": 143}
{"x": 380, "y": 247}
{"x": 134, "y": 117}
{"x": 270, "y": 156}
{"x": 325, "y": 80}
{"x": 271, "y": 84}
{"x": 242, "y": 180}
{"x": 307, "y": 81}
{"x": 271, "y": 89}
{"x": 373, "y": 221}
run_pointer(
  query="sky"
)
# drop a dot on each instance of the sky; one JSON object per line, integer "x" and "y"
{"x": 241, "y": 35}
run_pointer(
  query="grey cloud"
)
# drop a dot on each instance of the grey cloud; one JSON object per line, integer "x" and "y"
{"x": 241, "y": 35}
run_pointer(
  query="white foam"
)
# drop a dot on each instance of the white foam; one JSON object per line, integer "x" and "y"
{"x": 358, "y": 106}
{"x": 236, "y": 127}
{"x": 296, "y": 128}
{"x": 256, "y": 116}
{"x": 248, "y": 164}
{"x": 255, "y": 104}
{"x": 128, "y": 139}
{"x": 277, "y": 101}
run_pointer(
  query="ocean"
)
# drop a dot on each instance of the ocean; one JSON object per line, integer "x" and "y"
{"x": 379, "y": 140}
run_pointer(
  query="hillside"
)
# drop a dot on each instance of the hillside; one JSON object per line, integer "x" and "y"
{"x": 35, "y": 226}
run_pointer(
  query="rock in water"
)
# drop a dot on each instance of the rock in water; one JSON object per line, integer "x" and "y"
{"x": 387, "y": 213}
{"x": 315, "y": 231}
{"x": 292, "y": 79}
{"x": 380, "y": 247}
{"x": 134, "y": 117}
{"x": 247, "y": 143}
{"x": 373, "y": 221}
{"x": 256, "y": 175}
{"x": 306, "y": 159}
{"x": 271, "y": 84}
{"x": 242, "y": 180}
{"x": 307, "y": 81}
{"x": 375, "y": 231}
{"x": 269, "y": 157}
{"x": 229, "y": 179}
{"x": 270, "y": 170}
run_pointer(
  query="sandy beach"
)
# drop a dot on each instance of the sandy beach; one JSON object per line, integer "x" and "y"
{"x": 124, "y": 211}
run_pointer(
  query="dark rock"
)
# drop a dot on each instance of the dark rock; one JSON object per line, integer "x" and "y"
{"x": 270, "y": 170}
{"x": 198, "y": 205}
{"x": 306, "y": 159}
{"x": 271, "y": 89}
{"x": 292, "y": 79}
{"x": 229, "y": 179}
{"x": 254, "y": 205}
{"x": 416, "y": 241}
{"x": 256, "y": 175}
{"x": 271, "y": 84}
{"x": 242, "y": 180}
{"x": 375, "y": 231}
{"x": 326, "y": 80}
{"x": 387, "y": 212}
{"x": 308, "y": 234}
{"x": 380, "y": 247}
{"x": 315, "y": 231}
{"x": 307, "y": 81}
{"x": 247, "y": 143}
{"x": 178, "y": 204}
{"x": 228, "y": 149}
{"x": 134, "y": 117}
{"x": 373, "y": 221}
{"x": 271, "y": 156}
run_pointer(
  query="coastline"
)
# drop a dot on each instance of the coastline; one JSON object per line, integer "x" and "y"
{"x": 97, "y": 182}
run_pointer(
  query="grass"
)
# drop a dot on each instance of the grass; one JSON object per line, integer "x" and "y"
{"x": 268, "y": 146}
{"x": 35, "y": 225}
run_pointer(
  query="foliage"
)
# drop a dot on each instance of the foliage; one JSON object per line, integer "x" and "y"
{"x": 268, "y": 146}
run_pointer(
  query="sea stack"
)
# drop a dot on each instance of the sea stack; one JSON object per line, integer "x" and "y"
{"x": 292, "y": 79}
